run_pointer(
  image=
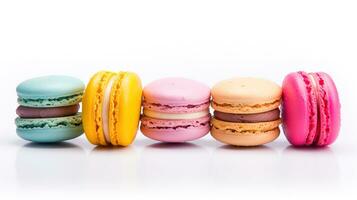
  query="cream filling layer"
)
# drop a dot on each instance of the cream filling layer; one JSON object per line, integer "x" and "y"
{"x": 314, "y": 84}
{"x": 315, "y": 90}
{"x": 159, "y": 115}
{"x": 105, "y": 110}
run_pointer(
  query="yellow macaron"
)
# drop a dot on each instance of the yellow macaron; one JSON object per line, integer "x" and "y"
{"x": 111, "y": 108}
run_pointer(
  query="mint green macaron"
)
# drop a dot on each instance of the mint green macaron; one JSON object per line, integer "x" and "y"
{"x": 48, "y": 110}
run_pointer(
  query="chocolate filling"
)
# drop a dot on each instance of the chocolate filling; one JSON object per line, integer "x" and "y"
{"x": 31, "y": 112}
{"x": 248, "y": 118}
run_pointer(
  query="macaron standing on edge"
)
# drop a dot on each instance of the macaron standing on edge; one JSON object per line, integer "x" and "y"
{"x": 48, "y": 110}
{"x": 310, "y": 109}
{"x": 111, "y": 108}
{"x": 246, "y": 111}
{"x": 176, "y": 110}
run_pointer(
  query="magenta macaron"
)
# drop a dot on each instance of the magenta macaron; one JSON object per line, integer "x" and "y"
{"x": 310, "y": 109}
{"x": 175, "y": 110}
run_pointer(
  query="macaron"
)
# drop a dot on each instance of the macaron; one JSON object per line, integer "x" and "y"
{"x": 48, "y": 108}
{"x": 310, "y": 109}
{"x": 111, "y": 108}
{"x": 246, "y": 111}
{"x": 175, "y": 110}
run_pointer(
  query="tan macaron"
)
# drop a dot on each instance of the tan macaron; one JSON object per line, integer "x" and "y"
{"x": 246, "y": 111}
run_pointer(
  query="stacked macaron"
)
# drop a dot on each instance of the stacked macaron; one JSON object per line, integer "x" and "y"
{"x": 48, "y": 110}
{"x": 311, "y": 109}
{"x": 175, "y": 110}
{"x": 246, "y": 111}
{"x": 111, "y": 108}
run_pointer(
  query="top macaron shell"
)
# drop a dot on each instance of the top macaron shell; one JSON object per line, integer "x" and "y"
{"x": 331, "y": 108}
{"x": 50, "y": 91}
{"x": 177, "y": 95}
{"x": 246, "y": 95}
{"x": 310, "y": 115}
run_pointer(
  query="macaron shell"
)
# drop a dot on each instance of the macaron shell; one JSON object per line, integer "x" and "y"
{"x": 125, "y": 108}
{"x": 329, "y": 109}
{"x": 248, "y": 139}
{"x": 92, "y": 107}
{"x": 176, "y": 92}
{"x": 46, "y": 87}
{"x": 40, "y": 123}
{"x": 50, "y": 135}
{"x": 299, "y": 111}
{"x": 172, "y": 135}
{"x": 175, "y": 124}
{"x": 241, "y": 128}
{"x": 245, "y": 95}
{"x": 49, "y": 129}
{"x": 175, "y": 130}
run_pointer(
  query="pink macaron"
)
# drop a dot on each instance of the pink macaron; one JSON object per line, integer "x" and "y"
{"x": 176, "y": 110}
{"x": 310, "y": 109}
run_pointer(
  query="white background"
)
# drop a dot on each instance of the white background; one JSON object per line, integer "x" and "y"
{"x": 204, "y": 40}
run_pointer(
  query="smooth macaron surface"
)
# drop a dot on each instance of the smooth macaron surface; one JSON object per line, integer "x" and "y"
{"x": 176, "y": 95}
{"x": 311, "y": 109}
{"x": 175, "y": 110}
{"x": 50, "y": 91}
{"x": 111, "y": 108}
{"x": 245, "y": 95}
{"x": 176, "y": 92}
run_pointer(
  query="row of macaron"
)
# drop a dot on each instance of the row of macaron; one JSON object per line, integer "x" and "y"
{"x": 246, "y": 109}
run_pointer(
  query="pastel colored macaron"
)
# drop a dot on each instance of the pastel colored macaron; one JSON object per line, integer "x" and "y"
{"x": 310, "y": 109}
{"x": 48, "y": 110}
{"x": 111, "y": 108}
{"x": 246, "y": 111}
{"x": 175, "y": 110}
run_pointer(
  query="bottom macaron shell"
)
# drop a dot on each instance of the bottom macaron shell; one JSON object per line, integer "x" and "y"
{"x": 330, "y": 116}
{"x": 178, "y": 135}
{"x": 50, "y": 135}
{"x": 246, "y": 139}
